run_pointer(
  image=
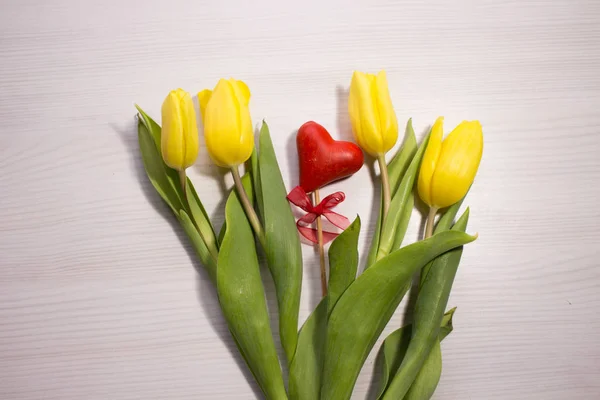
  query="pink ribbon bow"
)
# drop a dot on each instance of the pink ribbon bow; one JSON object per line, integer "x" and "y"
{"x": 299, "y": 198}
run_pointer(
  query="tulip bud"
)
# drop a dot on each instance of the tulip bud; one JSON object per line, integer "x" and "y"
{"x": 228, "y": 128}
{"x": 448, "y": 168}
{"x": 373, "y": 118}
{"x": 179, "y": 136}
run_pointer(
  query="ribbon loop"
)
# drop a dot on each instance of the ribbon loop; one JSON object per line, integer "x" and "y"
{"x": 299, "y": 198}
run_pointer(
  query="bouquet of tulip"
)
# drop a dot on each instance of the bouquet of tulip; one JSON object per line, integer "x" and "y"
{"x": 325, "y": 356}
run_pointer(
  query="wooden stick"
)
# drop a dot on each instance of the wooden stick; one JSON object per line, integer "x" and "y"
{"x": 321, "y": 247}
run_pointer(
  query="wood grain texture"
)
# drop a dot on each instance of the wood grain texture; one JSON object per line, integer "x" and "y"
{"x": 99, "y": 297}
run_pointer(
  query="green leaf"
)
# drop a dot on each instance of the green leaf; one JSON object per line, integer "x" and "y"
{"x": 444, "y": 224}
{"x": 190, "y": 229}
{"x": 201, "y": 217}
{"x": 447, "y": 219}
{"x": 446, "y": 325}
{"x": 374, "y": 248}
{"x": 197, "y": 241}
{"x": 428, "y": 314}
{"x": 151, "y": 125}
{"x": 248, "y": 188}
{"x": 343, "y": 262}
{"x": 391, "y": 354}
{"x": 400, "y": 162}
{"x": 366, "y": 306}
{"x": 172, "y": 176}
{"x": 394, "y": 347}
{"x": 307, "y": 365}
{"x": 242, "y": 298}
{"x": 392, "y": 233}
{"x": 222, "y": 233}
{"x": 255, "y": 173}
{"x": 155, "y": 169}
{"x": 166, "y": 182}
{"x": 284, "y": 255}
{"x": 396, "y": 169}
{"x": 429, "y": 375}
{"x": 403, "y": 221}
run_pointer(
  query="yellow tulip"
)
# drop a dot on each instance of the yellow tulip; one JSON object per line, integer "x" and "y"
{"x": 373, "y": 118}
{"x": 448, "y": 167}
{"x": 228, "y": 128}
{"x": 179, "y": 137}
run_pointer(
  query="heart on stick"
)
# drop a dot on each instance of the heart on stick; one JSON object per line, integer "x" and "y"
{"x": 322, "y": 159}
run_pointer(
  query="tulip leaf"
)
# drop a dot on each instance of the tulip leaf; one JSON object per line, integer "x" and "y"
{"x": 393, "y": 231}
{"x": 256, "y": 182}
{"x": 374, "y": 248}
{"x": 166, "y": 182}
{"x": 248, "y": 188}
{"x": 153, "y": 128}
{"x": 155, "y": 169}
{"x": 446, "y": 325}
{"x": 172, "y": 176}
{"x": 363, "y": 310}
{"x": 429, "y": 310}
{"x": 391, "y": 354}
{"x": 343, "y": 262}
{"x": 403, "y": 220}
{"x": 284, "y": 255}
{"x": 447, "y": 220}
{"x": 242, "y": 298}
{"x": 222, "y": 233}
{"x": 396, "y": 169}
{"x": 307, "y": 365}
{"x": 429, "y": 375}
{"x": 394, "y": 347}
{"x": 200, "y": 216}
{"x": 400, "y": 162}
{"x": 444, "y": 224}
{"x": 190, "y": 229}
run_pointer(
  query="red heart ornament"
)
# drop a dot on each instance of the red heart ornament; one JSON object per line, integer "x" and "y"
{"x": 322, "y": 159}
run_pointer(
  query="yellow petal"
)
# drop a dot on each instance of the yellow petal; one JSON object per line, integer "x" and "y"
{"x": 242, "y": 91}
{"x": 227, "y": 124}
{"x": 388, "y": 124}
{"x": 246, "y": 140}
{"x": 458, "y": 163}
{"x": 203, "y": 98}
{"x": 246, "y": 143}
{"x": 430, "y": 159}
{"x": 190, "y": 130}
{"x": 172, "y": 141}
{"x": 179, "y": 136}
{"x": 362, "y": 108}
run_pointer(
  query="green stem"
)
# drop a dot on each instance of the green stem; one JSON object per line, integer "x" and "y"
{"x": 385, "y": 186}
{"x": 183, "y": 181}
{"x": 321, "y": 248}
{"x": 250, "y": 213}
{"x": 430, "y": 220}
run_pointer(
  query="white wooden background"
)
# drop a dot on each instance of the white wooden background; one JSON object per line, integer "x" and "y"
{"x": 99, "y": 296}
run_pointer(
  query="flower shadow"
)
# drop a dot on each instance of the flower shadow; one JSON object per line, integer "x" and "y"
{"x": 292, "y": 159}
{"x": 129, "y": 138}
{"x": 343, "y": 117}
{"x": 374, "y": 385}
